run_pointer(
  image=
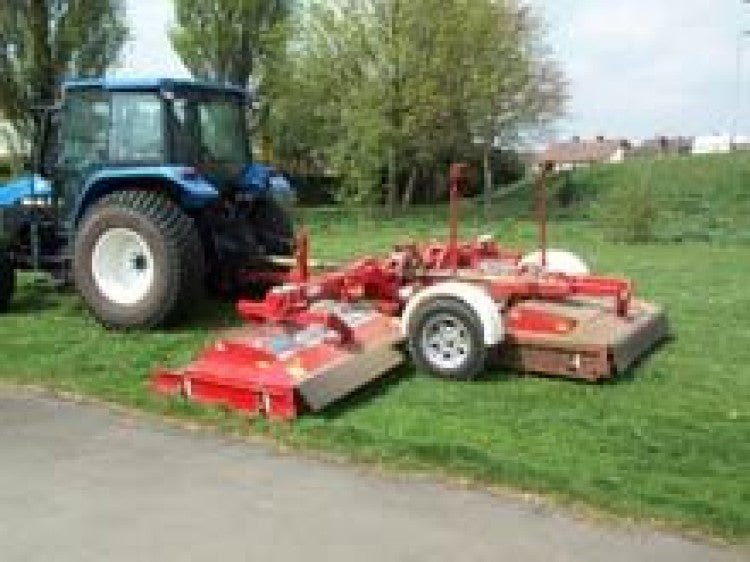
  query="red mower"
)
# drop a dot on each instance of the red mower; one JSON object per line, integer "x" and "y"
{"x": 454, "y": 307}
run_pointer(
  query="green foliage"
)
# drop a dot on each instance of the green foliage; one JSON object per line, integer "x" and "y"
{"x": 629, "y": 212}
{"x": 43, "y": 41}
{"x": 388, "y": 91}
{"x": 227, "y": 40}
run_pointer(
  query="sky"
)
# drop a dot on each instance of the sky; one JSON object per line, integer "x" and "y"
{"x": 636, "y": 68}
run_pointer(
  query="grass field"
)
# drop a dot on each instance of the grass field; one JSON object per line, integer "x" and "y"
{"x": 670, "y": 441}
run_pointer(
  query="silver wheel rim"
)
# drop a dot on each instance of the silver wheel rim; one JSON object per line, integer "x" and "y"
{"x": 123, "y": 266}
{"x": 446, "y": 342}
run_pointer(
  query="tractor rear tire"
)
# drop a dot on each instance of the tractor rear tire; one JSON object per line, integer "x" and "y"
{"x": 446, "y": 340}
{"x": 138, "y": 260}
{"x": 7, "y": 281}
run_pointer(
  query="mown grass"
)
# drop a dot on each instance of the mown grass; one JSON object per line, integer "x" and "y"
{"x": 670, "y": 441}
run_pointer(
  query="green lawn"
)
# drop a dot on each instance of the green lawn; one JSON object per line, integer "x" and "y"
{"x": 670, "y": 442}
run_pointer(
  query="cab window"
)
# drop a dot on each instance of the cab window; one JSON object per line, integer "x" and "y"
{"x": 137, "y": 128}
{"x": 85, "y": 130}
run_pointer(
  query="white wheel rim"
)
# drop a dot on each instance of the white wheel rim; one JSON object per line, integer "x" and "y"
{"x": 446, "y": 342}
{"x": 123, "y": 266}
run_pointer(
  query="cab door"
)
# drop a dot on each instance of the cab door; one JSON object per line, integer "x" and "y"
{"x": 83, "y": 143}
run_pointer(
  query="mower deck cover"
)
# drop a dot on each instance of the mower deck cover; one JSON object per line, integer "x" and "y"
{"x": 591, "y": 342}
{"x": 274, "y": 369}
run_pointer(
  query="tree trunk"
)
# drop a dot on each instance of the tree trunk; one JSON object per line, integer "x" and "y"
{"x": 487, "y": 163}
{"x": 43, "y": 78}
{"x": 438, "y": 186}
{"x": 392, "y": 197}
{"x": 410, "y": 188}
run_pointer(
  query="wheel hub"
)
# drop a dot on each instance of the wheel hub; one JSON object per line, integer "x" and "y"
{"x": 122, "y": 265}
{"x": 446, "y": 342}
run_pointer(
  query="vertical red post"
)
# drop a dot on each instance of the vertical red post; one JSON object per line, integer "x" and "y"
{"x": 541, "y": 210}
{"x": 457, "y": 178}
{"x": 302, "y": 253}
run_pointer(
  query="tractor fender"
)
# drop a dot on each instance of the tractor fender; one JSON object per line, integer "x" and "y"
{"x": 183, "y": 184}
{"x": 474, "y": 297}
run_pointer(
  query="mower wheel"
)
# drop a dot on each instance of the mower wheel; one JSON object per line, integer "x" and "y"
{"x": 446, "y": 339}
{"x": 7, "y": 281}
{"x": 138, "y": 260}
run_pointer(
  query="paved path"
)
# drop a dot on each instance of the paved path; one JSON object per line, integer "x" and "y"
{"x": 80, "y": 483}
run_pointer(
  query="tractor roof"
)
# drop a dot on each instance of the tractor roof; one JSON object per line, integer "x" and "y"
{"x": 150, "y": 85}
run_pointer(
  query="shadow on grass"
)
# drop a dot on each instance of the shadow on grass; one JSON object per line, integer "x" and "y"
{"x": 217, "y": 312}
{"x": 36, "y": 294}
{"x": 636, "y": 370}
{"x": 210, "y": 313}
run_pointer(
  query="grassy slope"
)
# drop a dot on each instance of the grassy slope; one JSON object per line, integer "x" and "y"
{"x": 699, "y": 198}
{"x": 668, "y": 442}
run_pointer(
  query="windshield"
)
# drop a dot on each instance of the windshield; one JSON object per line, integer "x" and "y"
{"x": 121, "y": 127}
{"x": 209, "y": 129}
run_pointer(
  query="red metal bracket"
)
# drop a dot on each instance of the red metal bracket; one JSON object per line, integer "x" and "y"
{"x": 558, "y": 287}
{"x": 288, "y": 305}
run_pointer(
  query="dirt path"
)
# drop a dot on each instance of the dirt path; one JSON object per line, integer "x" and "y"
{"x": 80, "y": 483}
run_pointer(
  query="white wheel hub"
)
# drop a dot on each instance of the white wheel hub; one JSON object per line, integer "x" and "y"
{"x": 123, "y": 266}
{"x": 446, "y": 342}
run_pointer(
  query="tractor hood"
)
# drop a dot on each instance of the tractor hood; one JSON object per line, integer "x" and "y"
{"x": 14, "y": 192}
{"x": 257, "y": 180}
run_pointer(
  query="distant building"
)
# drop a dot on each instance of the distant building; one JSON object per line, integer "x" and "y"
{"x": 577, "y": 153}
{"x": 662, "y": 146}
{"x": 719, "y": 144}
{"x": 741, "y": 144}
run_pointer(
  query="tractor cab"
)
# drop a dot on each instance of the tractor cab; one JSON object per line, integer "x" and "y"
{"x": 122, "y": 125}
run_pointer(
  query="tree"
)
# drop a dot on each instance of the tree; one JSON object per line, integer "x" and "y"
{"x": 226, "y": 40}
{"x": 44, "y": 41}
{"x": 394, "y": 89}
{"x": 515, "y": 85}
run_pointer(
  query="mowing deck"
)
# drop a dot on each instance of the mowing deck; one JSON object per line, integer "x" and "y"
{"x": 599, "y": 345}
{"x": 276, "y": 370}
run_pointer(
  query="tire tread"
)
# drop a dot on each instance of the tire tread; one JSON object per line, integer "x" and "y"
{"x": 186, "y": 264}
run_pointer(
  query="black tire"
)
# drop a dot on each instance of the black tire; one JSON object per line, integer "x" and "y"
{"x": 273, "y": 227}
{"x": 468, "y": 363}
{"x": 7, "y": 281}
{"x": 174, "y": 243}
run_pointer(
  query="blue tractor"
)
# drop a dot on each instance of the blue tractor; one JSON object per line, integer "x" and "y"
{"x": 142, "y": 195}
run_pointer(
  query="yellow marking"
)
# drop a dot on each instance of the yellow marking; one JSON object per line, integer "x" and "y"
{"x": 297, "y": 371}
